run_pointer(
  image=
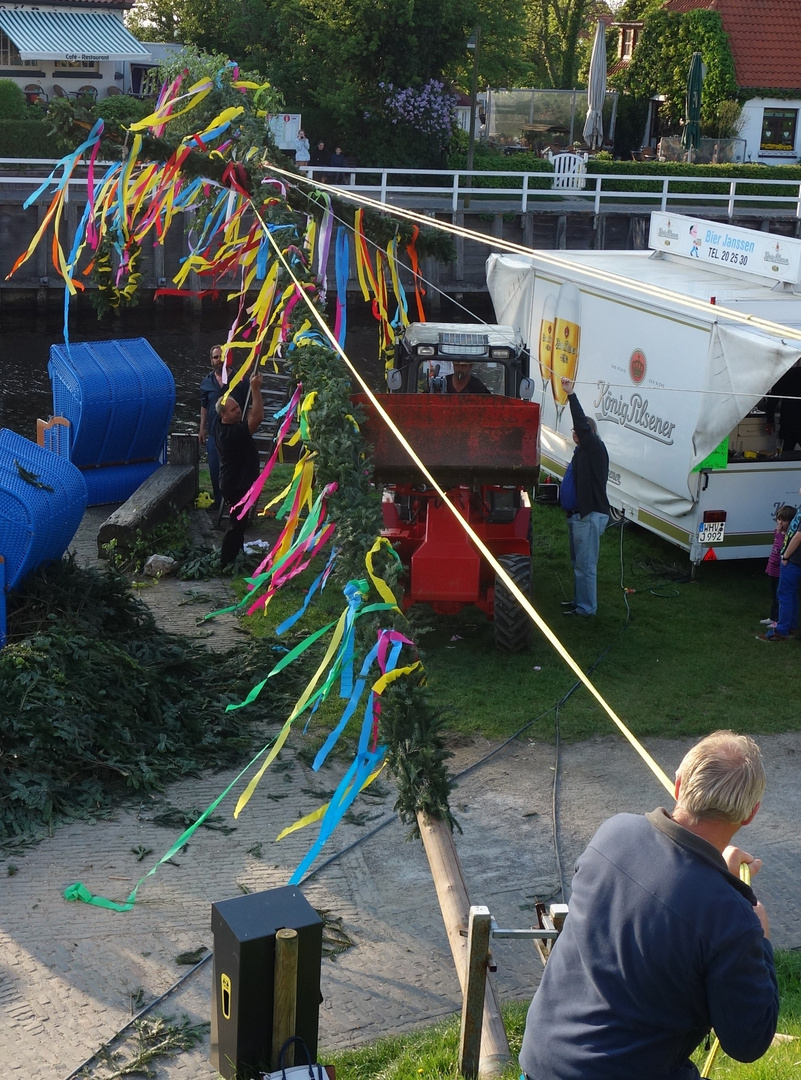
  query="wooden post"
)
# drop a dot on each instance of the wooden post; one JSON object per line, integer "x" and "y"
{"x": 285, "y": 994}
{"x": 478, "y": 934}
{"x": 185, "y": 450}
{"x": 449, "y": 882}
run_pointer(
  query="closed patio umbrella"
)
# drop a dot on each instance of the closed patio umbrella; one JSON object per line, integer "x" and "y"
{"x": 691, "y": 135}
{"x": 596, "y": 91}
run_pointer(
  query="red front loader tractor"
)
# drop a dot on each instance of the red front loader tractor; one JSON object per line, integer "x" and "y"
{"x": 482, "y": 447}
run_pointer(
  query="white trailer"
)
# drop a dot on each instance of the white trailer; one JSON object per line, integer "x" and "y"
{"x": 672, "y": 350}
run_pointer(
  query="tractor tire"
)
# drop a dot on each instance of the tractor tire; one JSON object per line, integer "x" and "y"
{"x": 512, "y": 623}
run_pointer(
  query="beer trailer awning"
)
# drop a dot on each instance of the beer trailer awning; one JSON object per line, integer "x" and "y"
{"x": 70, "y": 35}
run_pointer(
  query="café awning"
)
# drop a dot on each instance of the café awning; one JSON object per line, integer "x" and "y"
{"x": 70, "y": 35}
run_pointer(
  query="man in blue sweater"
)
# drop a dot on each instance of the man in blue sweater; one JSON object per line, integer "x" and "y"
{"x": 589, "y": 516}
{"x": 663, "y": 940}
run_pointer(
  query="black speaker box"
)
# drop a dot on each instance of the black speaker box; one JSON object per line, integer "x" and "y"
{"x": 242, "y": 997}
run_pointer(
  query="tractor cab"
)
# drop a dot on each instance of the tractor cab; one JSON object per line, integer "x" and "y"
{"x": 426, "y": 353}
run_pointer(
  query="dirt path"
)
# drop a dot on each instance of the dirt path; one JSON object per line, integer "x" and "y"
{"x": 69, "y": 973}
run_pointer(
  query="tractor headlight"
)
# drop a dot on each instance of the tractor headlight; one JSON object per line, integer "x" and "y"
{"x": 501, "y": 352}
{"x": 426, "y": 350}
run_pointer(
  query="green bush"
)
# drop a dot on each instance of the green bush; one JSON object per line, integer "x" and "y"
{"x": 488, "y": 160}
{"x": 122, "y": 110}
{"x": 25, "y": 139}
{"x": 12, "y": 101}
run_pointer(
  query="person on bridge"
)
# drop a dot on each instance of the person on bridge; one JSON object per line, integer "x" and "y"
{"x": 662, "y": 940}
{"x": 239, "y": 461}
{"x": 463, "y": 381}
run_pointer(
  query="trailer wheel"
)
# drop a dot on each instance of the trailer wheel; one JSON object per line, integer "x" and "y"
{"x": 512, "y": 623}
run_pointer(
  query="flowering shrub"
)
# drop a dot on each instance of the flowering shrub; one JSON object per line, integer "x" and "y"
{"x": 429, "y": 111}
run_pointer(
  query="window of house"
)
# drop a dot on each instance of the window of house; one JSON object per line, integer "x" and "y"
{"x": 84, "y": 65}
{"x": 9, "y": 53}
{"x": 778, "y": 130}
{"x": 628, "y": 41}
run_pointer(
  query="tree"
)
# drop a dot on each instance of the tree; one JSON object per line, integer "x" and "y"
{"x": 157, "y": 20}
{"x": 662, "y": 57}
{"x": 329, "y": 57}
{"x": 557, "y": 28}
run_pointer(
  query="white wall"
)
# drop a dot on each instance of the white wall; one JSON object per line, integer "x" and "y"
{"x": 752, "y": 130}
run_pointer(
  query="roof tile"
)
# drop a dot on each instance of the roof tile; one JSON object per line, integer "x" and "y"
{"x": 765, "y": 38}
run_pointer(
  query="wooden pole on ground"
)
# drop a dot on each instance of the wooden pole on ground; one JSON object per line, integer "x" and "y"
{"x": 285, "y": 994}
{"x": 446, "y": 870}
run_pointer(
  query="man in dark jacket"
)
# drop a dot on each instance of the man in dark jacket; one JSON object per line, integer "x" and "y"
{"x": 239, "y": 461}
{"x": 587, "y": 520}
{"x": 662, "y": 940}
{"x": 786, "y": 395}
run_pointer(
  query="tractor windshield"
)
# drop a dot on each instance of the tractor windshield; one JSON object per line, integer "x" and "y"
{"x": 432, "y": 375}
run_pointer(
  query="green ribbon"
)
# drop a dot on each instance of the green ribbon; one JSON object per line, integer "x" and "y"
{"x": 78, "y": 891}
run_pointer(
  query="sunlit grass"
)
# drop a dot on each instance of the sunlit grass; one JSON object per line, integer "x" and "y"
{"x": 673, "y": 657}
{"x": 433, "y": 1052}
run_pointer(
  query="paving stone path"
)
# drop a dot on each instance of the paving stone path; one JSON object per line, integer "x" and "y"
{"x": 71, "y": 975}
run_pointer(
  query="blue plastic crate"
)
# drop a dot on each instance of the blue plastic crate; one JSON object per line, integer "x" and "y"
{"x": 39, "y": 515}
{"x": 119, "y": 398}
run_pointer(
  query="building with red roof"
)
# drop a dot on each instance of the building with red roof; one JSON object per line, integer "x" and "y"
{"x": 765, "y": 42}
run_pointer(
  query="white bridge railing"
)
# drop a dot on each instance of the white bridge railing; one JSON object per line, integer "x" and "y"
{"x": 440, "y": 189}
{"x": 521, "y": 190}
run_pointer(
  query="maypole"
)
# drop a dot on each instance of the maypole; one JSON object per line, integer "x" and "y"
{"x": 245, "y": 223}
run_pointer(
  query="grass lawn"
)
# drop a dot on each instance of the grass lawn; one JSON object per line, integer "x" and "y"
{"x": 433, "y": 1052}
{"x": 673, "y": 658}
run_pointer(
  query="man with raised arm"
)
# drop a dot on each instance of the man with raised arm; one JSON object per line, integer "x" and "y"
{"x": 588, "y": 517}
{"x": 663, "y": 940}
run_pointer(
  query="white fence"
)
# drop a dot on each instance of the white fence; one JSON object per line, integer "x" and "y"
{"x": 439, "y": 189}
{"x": 448, "y": 190}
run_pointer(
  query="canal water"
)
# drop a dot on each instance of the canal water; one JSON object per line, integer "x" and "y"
{"x": 182, "y": 338}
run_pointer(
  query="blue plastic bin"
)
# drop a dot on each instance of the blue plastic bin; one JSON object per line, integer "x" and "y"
{"x": 39, "y": 515}
{"x": 119, "y": 398}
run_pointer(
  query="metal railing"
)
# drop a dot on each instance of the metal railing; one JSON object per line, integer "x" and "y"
{"x": 447, "y": 190}
{"x": 599, "y": 190}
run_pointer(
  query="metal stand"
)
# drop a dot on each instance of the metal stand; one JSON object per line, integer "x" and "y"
{"x": 481, "y": 928}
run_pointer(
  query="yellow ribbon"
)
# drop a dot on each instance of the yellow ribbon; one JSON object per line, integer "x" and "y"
{"x": 381, "y": 586}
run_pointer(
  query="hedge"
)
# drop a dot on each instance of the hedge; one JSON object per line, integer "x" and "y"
{"x": 530, "y": 163}
{"x": 25, "y": 139}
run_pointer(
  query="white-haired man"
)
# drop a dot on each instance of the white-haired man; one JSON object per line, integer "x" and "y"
{"x": 663, "y": 940}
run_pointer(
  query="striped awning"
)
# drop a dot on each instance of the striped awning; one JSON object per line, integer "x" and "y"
{"x": 70, "y": 35}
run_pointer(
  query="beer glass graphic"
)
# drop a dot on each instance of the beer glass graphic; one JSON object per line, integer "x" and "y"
{"x": 566, "y": 337}
{"x": 546, "y": 339}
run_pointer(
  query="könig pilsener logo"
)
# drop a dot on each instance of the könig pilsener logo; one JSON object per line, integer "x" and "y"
{"x": 637, "y": 366}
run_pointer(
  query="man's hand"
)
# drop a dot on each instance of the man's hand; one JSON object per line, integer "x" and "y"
{"x": 255, "y": 380}
{"x": 568, "y": 385}
{"x": 735, "y": 857}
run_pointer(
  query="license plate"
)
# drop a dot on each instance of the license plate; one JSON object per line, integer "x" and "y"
{"x": 711, "y": 532}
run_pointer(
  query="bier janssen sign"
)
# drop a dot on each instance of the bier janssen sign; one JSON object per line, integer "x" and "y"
{"x": 734, "y": 250}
